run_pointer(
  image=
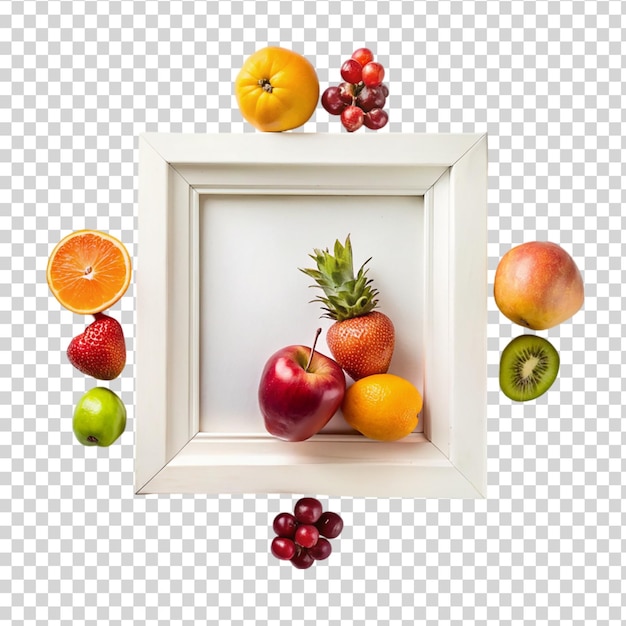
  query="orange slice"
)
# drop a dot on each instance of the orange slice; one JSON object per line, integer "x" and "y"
{"x": 88, "y": 271}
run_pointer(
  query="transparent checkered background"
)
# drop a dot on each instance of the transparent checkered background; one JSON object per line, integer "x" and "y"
{"x": 80, "y": 80}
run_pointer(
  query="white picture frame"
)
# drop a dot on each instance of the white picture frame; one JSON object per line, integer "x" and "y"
{"x": 447, "y": 175}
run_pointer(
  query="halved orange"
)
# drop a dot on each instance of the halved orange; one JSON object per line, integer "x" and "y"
{"x": 89, "y": 271}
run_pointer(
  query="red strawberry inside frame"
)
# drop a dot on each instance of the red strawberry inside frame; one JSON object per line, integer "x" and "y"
{"x": 361, "y": 340}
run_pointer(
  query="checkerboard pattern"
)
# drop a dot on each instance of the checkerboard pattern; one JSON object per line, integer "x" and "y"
{"x": 79, "y": 81}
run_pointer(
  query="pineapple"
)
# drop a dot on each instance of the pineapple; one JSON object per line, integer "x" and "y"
{"x": 361, "y": 340}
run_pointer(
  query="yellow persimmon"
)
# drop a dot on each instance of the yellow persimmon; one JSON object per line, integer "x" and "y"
{"x": 277, "y": 89}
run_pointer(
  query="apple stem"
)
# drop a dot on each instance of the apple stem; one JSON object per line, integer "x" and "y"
{"x": 317, "y": 334}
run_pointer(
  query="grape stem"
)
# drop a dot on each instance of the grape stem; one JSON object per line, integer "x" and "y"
{"x": 317, "y": 334}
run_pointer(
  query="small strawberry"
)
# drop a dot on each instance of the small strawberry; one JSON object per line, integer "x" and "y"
{"x": 361, "y": 340}
{"x": 99, "y": 351}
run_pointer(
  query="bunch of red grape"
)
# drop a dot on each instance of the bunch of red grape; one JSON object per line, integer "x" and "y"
{"x": 302, "y": 538}
{"x": 360, "y": 99}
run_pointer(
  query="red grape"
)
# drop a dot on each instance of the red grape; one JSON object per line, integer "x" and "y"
{"x": 360, "y": 98}
{"x": 363, "y": 56}
{"x": 285, "y": 525}
{"x": 346, "y": 92}
{"x": 352, "y": 118}
{"x": 302, "y": 559}
{"x": 375, "y": 119}
{"x": 329, "y": 524}
{"x": 307, "y": 535}
{"x": 373, "y": 74}
{"x": 283, "y": 548}
{"x": 303, "y": 537}
{"x": 332, "y": 102}
{"x": 307, "y": 510}
{"x": 351, "y": 71}
{"x": 370, "y": 98}
{"x": 321, "y": 550}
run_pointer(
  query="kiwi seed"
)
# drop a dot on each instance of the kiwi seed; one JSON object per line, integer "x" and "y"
{"x": 528, "y": 367}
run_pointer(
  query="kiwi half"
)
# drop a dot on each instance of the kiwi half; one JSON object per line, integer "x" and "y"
{"x": 528, "y": 367}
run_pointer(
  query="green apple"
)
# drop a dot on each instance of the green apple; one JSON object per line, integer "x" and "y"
{"x": 99, "y": 418}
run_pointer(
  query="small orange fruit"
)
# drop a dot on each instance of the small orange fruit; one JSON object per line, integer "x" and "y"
{"x": 88, "y": 271}
{"x": 277, "y": 89}
{"x": 382, "y": 406}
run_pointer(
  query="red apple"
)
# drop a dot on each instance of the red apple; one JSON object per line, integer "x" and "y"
{"x": 538, "y": 285}
{"x": 300, "y": 390}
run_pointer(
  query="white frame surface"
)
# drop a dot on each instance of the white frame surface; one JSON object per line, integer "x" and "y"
{"x": 450, "y": 171}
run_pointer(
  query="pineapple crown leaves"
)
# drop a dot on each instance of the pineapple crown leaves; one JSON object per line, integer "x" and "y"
{"x": 345, "y": 296}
